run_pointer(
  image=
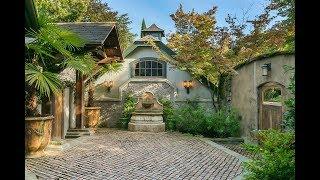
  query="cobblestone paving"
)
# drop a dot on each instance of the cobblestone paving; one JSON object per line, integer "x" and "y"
{"x": 115, "y": 154}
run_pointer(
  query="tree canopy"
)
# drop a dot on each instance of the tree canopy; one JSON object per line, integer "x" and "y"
{"x": 209, "y": 51}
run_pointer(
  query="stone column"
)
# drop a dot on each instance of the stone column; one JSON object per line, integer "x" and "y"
{"x": 72, "y": 115}
{"x": 66, "y": 110}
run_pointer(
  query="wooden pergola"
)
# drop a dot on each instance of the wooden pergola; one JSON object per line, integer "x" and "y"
{"x": 103, "y": 42}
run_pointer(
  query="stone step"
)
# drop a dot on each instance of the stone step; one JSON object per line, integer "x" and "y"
{"x": 78, "y": 130}
{"x": 75, "y": 133}
{"x": 78, "y": 133}
{"x": 72, "y": 136}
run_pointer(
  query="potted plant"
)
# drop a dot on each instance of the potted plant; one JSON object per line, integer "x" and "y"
{"x": 49, "y": 49}
{"x": 92, "y": 112}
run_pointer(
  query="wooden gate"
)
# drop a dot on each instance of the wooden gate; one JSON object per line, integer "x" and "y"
{"x": 270, "y": 105}
{"x": 271, "y": 115}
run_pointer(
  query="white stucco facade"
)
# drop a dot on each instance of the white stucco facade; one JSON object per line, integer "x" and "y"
{"x": 174, "y": 78}
{"x": 153, "y": 75}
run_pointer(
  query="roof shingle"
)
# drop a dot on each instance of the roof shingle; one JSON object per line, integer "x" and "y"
{"x": 146, "y": 38}
{"x": 93, "y": 32}
{"x": 153, "y": 27}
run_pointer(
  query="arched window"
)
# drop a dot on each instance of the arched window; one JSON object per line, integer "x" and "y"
{"x": 272, "y": 95}
{"x": 149, "y": 68}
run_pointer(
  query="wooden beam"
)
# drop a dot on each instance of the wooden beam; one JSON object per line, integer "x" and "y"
{"x": 109, "y": 60}
{"x": 79, "y": 100}
{"x": 57, "y": 123}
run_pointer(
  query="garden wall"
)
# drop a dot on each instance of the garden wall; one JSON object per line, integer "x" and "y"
{"x": 245, "y": 85}
{"x": 110, "y": 112}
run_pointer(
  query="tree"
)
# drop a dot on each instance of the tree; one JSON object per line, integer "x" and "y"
{"x": 210, "y": 53}
{"x": 86, "y": 11}
{"x": 62, "y": 10}
{"x": 200, "y": 48}
{"x": 143, "y": 26}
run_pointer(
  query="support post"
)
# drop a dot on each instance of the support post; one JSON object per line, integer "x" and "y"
{"x": 57, "y": 123}
{"x": 79, "y": 100}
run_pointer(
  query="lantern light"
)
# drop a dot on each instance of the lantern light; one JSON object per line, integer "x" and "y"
{"x": 187, "y": 85}
{"x": 108, "y": 85}
{"x": 265, "y": 69}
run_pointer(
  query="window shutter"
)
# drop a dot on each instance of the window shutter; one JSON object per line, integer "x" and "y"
{"x": 164, "y": 64}
{"x": 131, "y": 69}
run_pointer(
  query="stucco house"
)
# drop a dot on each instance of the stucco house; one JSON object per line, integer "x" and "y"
{"x": 144, "y": 70}
{"x": 259, "y": 89}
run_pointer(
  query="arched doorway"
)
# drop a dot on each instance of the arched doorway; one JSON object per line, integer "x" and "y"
{"x": 270, "y": 104}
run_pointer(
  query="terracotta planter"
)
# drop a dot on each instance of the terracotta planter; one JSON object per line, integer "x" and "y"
{"x": 37, "y": 134}
{"x": 92, "y": 115}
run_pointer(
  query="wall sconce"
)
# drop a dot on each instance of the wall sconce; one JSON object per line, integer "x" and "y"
{"x": 187, "y": 85}
{"x": 108, "y": 85}
{"x": 265, "y": 69}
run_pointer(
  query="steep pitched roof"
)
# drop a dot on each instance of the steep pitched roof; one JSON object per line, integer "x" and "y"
{"x": 142, "y": 42}
{"x": 153, "y": 27}
{"x": 93, "y": 32}
{"x": 145, "y": 38}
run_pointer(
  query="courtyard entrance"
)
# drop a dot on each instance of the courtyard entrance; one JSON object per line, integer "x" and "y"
{"x": 270, "y": 105}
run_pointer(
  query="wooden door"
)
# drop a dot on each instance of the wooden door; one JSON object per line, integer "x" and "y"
{"x": 271, "y": 115}
{"x": 270, "y": 106}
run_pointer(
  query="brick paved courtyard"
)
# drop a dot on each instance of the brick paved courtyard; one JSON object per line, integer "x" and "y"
{"x": 114, "y": 154}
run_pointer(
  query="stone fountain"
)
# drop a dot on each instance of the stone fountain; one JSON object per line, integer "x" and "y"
{"x": 147, "y": 116}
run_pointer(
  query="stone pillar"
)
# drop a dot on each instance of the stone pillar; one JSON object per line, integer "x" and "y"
{"x": 66, "y": 110}
{"x": 72, "y": 116}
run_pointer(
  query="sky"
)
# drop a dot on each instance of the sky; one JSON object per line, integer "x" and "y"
{"x": 158, "y": 11}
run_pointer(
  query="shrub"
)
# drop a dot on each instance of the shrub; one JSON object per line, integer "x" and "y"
{"x": 190, "y": 119}
{"x": 289, "y": 115}
{"x": 224, "y": 123}
{"x": 275, "y": 156}
{"x": 168, "y": 111}
{"x": 128, "y": 108}
{"x": 195, "y": 119}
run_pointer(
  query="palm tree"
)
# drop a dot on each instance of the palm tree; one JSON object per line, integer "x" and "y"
{"x": 52, "y": 50}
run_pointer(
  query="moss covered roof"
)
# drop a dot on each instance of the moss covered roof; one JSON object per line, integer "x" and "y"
{"x": 263, "y": 56}
{"x": 142, "y": 43}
